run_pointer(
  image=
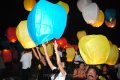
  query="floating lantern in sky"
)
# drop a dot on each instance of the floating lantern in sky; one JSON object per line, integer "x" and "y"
{"x": 111, "y": 24}
{"x": 94, "y": 49}
{"x": 100, "y": 19}
{"x": 81, "y": 4}
{"x": 65, "y": 5}
{"x": 90, "y": 13}
{"x": 80, "y": 34}
{"x": 29, "y": 4}
{"x": 11, "y": 34}
{"x": 46, "y": 21}
{"x": 23, "y": 35}
{"x": 110, "y": 14}
{"x": 113, "y": 55}
{"x": 6, "y": 55}
{"x": 70, "y": 54}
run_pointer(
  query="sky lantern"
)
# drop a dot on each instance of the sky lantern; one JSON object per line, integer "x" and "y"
{"x": 70, "y": 54}
{"x": 110, "y": 14}
{"x": 29, "y": 4}
{"x": 49, "y": 47}
{"x": 6, "y": 55}
{"x": 65, "y": 5}
{"x": 94, "y": 49}
{"x": 80, "y": 34}
{"x": 23, "y": 35}
{"x": 46, "y": 21}
{"x": 11, "y": 34}
{"x": 111, "y": 24}
{"x": 81, "y": 4}
{"x": 90, "y": 13}
{"x": 113, "y": 55}
{"x": 110, "y": 18}
{"x": 100, "y": 19}
{"x": 61, "y": 42}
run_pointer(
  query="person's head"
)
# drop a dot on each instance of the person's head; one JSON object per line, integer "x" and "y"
{"x": 92, "y": 73}
{"x": 82, "y": 65}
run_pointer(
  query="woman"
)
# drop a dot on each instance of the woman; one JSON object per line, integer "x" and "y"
{"x": 58, "y": 73}
{"x": 80, "y": 73}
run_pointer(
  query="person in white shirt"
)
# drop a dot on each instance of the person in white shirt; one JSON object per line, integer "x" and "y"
{"x": 58, "y": 73}
{"x": 26, "y": 60}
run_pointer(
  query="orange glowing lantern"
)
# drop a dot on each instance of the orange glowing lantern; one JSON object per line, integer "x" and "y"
{"x": 6, "y": 55}
{"x": 110, "y": 24}
{"x": 29, "y": 4}
{"x": 61, "y": 42}
{"x": 11, "y": 34}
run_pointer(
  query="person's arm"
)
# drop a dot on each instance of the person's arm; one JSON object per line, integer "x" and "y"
{"x": 41, "y": 57}
{"x": 47, "y": 57}
{"x": 58, "y": 59}
{"x": 34, "y": 52}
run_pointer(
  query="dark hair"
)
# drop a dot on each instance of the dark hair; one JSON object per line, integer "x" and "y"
{"x": 94, "y": 68}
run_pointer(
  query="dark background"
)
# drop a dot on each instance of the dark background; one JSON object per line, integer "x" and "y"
{"x": 12, "y": 12}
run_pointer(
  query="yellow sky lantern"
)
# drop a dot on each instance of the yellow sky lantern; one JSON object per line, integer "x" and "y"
{"x": 23, "y": 35}
{"x": 65, "y": 5}
{"x": 49, "y": 47}
{"x": 70, "y": 54}
{"x": 80, "y": 34}
{"x": 29, "y": 4}
{"x": 113, "y": 55}
{"x": 94, "y": 49}
{"x": 100, "y": 19}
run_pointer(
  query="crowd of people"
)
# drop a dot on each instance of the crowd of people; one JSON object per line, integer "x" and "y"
{"x": 55, "y": 67}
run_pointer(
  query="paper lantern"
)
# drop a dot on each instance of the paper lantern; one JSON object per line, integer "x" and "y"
{"x": 11, "y": 34}
{"x": 6, "y": 55}
{"x": 29, "y": 4}
{"x": 81, "y": 4}
{"x": 94, "y": 49}
{"x": 111, "y": 24}
{"x": 67, "y": 45}
{"x": 80, "y": 34}
{"x": 49, "y": 49}
{"x": 100, "y": 19}
{"x": 65, "y": 5}
{"x": 90, "y": 13}
{"x": 113, "y": 55}
{"x": 110, "y": 14}
{"x": 23, "y": 35}
{"x": 70, "y": 54}
{"x": 46, "y": 21}
{"x": 61, "y": 42}
{"x": 75, "y": 47}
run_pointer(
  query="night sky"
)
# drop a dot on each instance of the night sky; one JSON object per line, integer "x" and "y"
{"x": 12, "y": 12}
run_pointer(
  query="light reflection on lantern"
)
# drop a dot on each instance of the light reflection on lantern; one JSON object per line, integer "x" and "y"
{"x": 11, "y": 34}
{"x": 6, "y": 55}
{"x": 94, "y": 49}
{"x": 80, "y": 34}
{"x": 65, "y": 5}
{"x": 70, "y": 54}
{"x": 23, "y": 35}
{"x": 29, "y": 4}
{"x": 113, "y": 55}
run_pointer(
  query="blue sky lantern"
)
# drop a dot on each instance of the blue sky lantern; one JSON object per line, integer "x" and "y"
{"x": 46, "y": 21}
{"x": 110, "y": 14}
